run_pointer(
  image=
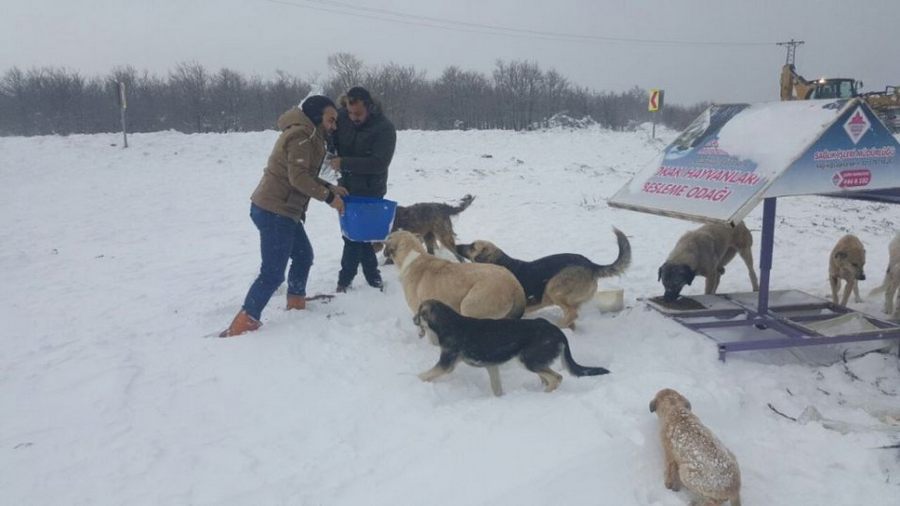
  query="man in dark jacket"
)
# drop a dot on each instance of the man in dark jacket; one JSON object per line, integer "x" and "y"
{"x": 364, "y": 141}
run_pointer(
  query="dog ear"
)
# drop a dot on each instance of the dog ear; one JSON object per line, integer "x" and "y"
{"x": 653, "y": 406}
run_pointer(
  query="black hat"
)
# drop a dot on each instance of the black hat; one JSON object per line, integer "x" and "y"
{"x": 314, "y": 106}
{"x": 359, "y": 93}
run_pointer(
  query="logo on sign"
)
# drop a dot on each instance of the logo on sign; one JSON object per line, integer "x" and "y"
{"x": 852, "y": 178}
{"x": 857, "y": 125}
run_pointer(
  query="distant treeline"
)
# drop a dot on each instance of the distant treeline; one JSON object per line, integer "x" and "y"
{"x": 517, "y": 95}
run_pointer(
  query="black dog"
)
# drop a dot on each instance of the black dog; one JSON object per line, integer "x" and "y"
{"x": 489, "y": 343}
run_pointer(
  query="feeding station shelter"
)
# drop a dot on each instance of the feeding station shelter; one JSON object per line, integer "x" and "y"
{"x": 735, "y": 155}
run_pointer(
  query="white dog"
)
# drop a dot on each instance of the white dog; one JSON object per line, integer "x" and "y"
{"x": 891, "y": 283}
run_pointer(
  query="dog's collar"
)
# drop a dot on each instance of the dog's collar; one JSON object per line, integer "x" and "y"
{"x": 413, "y": 255}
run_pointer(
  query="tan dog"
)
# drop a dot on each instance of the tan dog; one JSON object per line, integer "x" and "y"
{"x": 694, "y": 456}
{"x": 474, "y": 290}
{"x": 705, "y": 252}
{"x": 891, "y": 284}
{"x": 848, "y": 259}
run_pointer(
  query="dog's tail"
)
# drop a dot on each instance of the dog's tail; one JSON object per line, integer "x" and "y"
{"x": 884, "y": 284}
{"x": 577, "y": 369}
{"x": 464, "y": 203}
{"x": 622, "y": 261}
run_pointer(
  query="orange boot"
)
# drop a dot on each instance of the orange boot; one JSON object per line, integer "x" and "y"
{"x": 242, "y": 323}
{"x": 296, "y": 302}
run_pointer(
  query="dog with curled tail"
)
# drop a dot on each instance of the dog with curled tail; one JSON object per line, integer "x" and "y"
{"x": 567, "y": 280}
{"x": 694, "y": 457}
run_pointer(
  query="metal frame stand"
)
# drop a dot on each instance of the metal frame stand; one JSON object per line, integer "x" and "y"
{"x": 776, "y": 318}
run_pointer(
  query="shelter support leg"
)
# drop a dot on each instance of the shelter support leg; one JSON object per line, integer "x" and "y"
{"x": 765, "y": 253}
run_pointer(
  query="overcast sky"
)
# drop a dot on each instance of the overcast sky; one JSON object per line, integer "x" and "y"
{"x": 843, "y": 39}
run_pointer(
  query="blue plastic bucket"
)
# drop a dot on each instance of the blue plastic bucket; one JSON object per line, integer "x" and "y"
{"x": 367, "y": 219}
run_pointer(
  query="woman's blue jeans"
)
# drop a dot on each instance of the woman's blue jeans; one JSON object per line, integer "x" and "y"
{"x": 280, "y": 239}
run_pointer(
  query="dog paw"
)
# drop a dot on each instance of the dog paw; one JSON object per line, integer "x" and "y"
{"x": 673, "y": 483}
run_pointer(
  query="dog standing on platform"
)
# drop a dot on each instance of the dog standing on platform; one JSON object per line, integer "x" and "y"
{"x": 891, "y": 284}
{"x": 847, "y": 262}
{"x": 705, "y": 252}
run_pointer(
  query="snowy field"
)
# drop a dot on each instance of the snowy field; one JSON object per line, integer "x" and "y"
{"x": 118, "y": 265}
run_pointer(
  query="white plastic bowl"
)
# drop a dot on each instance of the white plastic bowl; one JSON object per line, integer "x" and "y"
{"x": 610, "y": 300}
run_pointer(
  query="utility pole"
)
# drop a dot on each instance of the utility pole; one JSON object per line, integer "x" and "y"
{"x": 123, "y": 104}
{"x": 791, "y": 47}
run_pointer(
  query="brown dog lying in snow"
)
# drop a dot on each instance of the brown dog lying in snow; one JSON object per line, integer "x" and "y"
{"x": 694, "y": 456}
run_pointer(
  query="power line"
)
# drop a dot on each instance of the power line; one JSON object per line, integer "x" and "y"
{"x": 348, "y": 9}
{"x": 382, "y": 18}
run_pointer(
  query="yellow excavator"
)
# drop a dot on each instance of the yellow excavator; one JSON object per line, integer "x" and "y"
{"x": 886, "y": 104}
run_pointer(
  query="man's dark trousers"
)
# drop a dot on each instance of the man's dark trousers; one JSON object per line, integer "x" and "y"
{"x": 356, "y": 253}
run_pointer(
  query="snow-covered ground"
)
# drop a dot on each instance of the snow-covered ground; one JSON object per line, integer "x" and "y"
{"x": 118, "y": 265}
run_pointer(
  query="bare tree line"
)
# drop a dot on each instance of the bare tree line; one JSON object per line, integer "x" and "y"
{"x": 517, "y": 95}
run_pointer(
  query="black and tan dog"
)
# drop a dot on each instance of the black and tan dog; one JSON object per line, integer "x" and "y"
{"x": 489, "y": 343}
{"x": 431, "y": 221}
{"x": 566, "y": 280}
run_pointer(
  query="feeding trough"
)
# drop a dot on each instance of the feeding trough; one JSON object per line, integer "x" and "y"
{"x": 734, "y": 156}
